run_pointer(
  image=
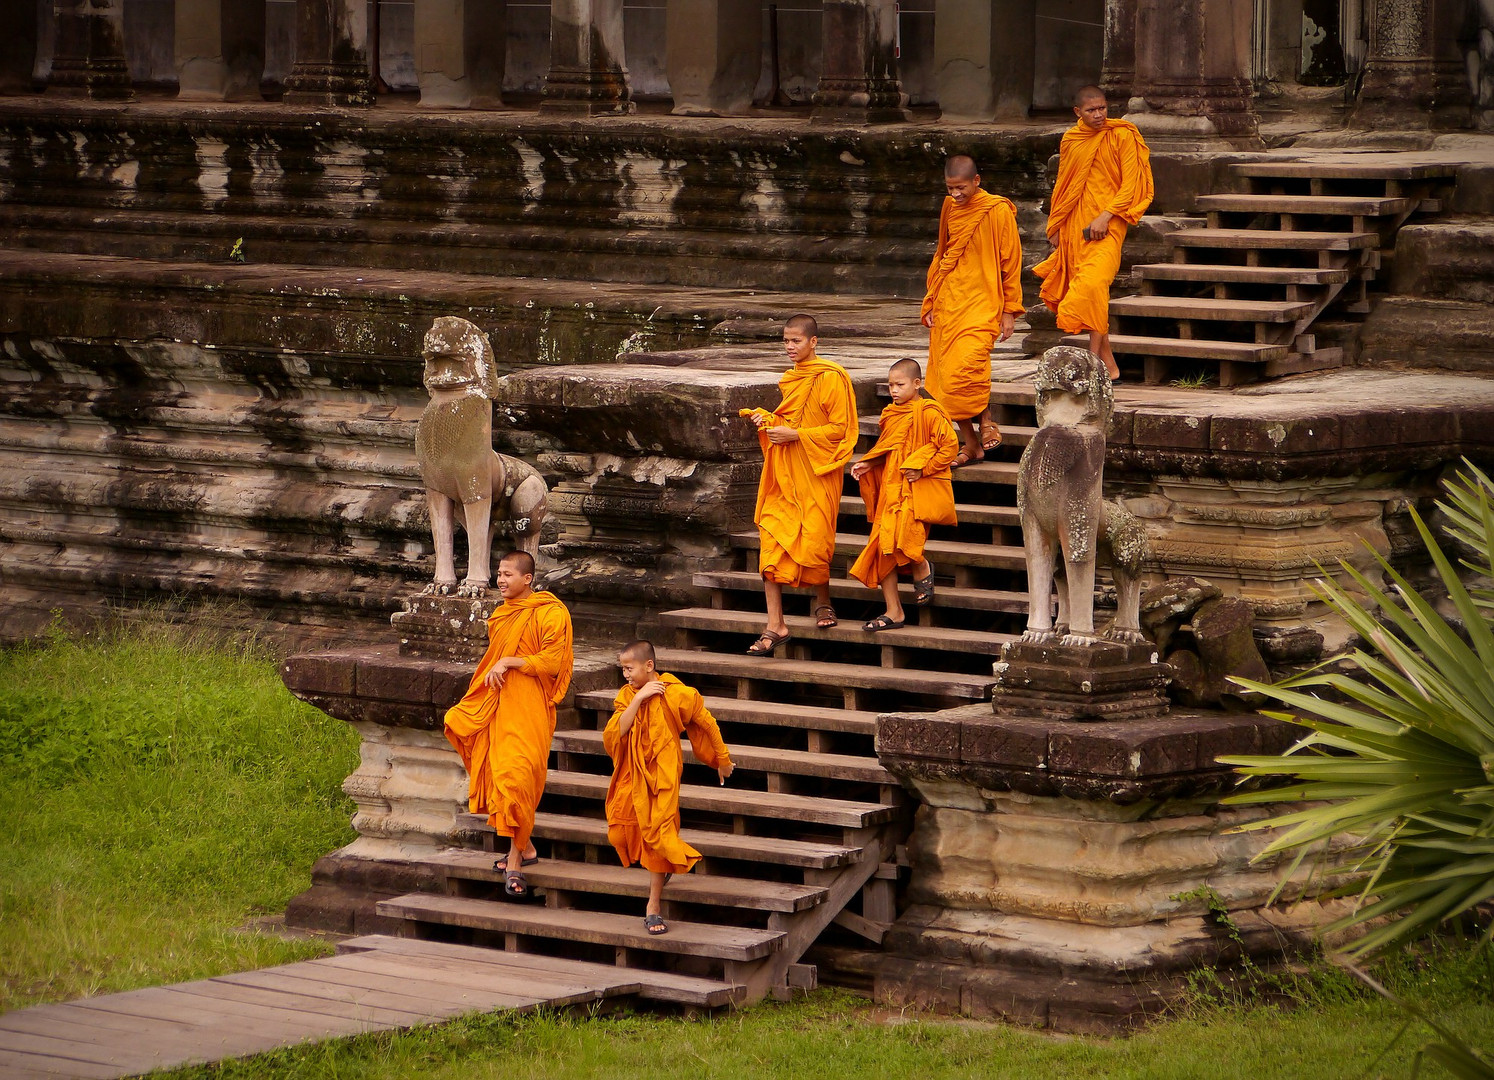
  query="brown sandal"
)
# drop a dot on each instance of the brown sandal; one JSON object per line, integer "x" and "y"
{"x": 826, "y": 621}
{"x": 766, "y": 642}
{"x": 990, "y": 436}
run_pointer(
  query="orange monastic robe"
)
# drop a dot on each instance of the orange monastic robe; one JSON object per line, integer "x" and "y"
{"x": 643, "y": 800}
{"x": 504, "y": 735}
{"x": 798, "y": 498}
{"x": 976, "y": 276}
{"x": 1109, "y": 169}
{"x": 918, "y": 435}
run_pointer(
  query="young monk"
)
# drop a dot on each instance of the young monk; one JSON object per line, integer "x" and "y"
{"x": 806, "y": 443}
{"x": 972, "y": 300}
{"x": 503, "y": 726}
{"x": 643, "y": 801}
{"x": 1104, "y": 184}
{"x": 906, "y": 484}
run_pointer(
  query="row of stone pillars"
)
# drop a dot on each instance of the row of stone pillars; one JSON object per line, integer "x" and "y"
{"x": 1183, "y": 65}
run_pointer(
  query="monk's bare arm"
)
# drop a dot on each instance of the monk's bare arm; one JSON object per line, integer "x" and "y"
{"x": 625, "y": 721}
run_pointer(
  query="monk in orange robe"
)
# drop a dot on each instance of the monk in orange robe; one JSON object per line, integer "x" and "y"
{"x": 806, "y": 443}
{"x": 643, "y": 801}
{"x": 1104, "y": 185}
{"x": 905, "y": 482}
{"x": 503, "y": 725}
{"x": 972, "y": 300}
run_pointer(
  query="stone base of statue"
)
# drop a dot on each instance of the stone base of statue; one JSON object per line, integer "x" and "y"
{"x": 444, "y": 627}
{"x": 1104, "y": 681}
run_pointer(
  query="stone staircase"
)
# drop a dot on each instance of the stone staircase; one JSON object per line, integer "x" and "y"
{"x": 1244, "y": 296}
{"x": 803, "y": 845}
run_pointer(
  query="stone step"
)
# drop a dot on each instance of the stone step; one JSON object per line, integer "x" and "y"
{"x": 1345, "y": 205}
{"x": 593, "y": 927}
{"x": 1380, "y": 168}
{"x": 766, "y": 713}
{"x": 968, "y": 513}
{"x": 943, "y": 553}
{"x": 946, "y": 596}
{"x": 941, "y": 684}
{"x": 1191, "y": 348}
{"x": 849, "y": 767}
{"x": 1180, "y": 307}
{"x": 738, "y": 802}
{"x": 1263, "y": 239}
{"x": 563, "y": 875}
{"x": 1241, "y": 275}
{"x": 803, "y": 627}
{"x": 653, "y": 985}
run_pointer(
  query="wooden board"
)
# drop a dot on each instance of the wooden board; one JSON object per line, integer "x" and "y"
{"x": 750, "y": 624}
{"x": 1263, "y": 239}
{"x": 850, "y": 589}
{"x": 1242, "y": 275}
{"x": 1333, "y": 205}
{"x": 806, "y": 854}
{"x": 941, "y": 684}
{"x": 968, "y": 513}
{"x": 1191, "y": 348}
{"x": 1179, "y": 307}
{"x": 943, "y": 553}
{"x": 758, "y": 759}
{"x": 767, "y": 713}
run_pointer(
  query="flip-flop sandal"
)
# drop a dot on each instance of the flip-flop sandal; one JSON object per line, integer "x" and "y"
{"x": 655, "y": 925}
{"x": 990, "y": 436}
{"x": 757, "y": 648}
{"x": 502, "y": 864}
{"x": 826, "y": 621}
{"x": 962, "y": 459}
{"x": 923, "y": 588}
{"x": 514, "y": 884}
{"x": 883, "y": 622}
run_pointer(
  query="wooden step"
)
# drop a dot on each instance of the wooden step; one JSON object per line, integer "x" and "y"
{"x": 1181, "y": 307}
{"x": 654, "y": 985}
{"x": 840, "y": 813}
{"x": 1263, "y": 239}
{"x": 946, "y": 596}
{"x": 968, "y": 513}
{"x": 1189, "y": 348}
{"x": 943, "y": 684}
{"x": 987, "y": 472}
{"x": 1345, "y": 205}
{"x": 801, "y": 854}
{"x": 1383, "y": 168}
{"x": 595, "y": 927}
{"x": 750, "y": 624}
{"x": 765, "y": 759}
{"x": 1241, "y": 275}
{"x": 943, "y": 553}
{"x": 766, "y": 713}
{"x": 717, "y": 891}
{"x": 1011, "y": 434}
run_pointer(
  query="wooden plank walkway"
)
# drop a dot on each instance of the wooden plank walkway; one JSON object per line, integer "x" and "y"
{"x": 235, "y": 1015}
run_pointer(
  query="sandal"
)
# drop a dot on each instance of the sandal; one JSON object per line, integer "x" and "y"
{"x": 990, "y": 436}
{"x": 923, "y": 588}
{"x": 502, "y": 864}
{"x": 514, "y": 884}
{"x": 883, "y": 622}
{"x": 826, "y": 621}
{"x": 766, "y": 642}
{"x": 655, "y": 925}
{"x": 964, "y": 458}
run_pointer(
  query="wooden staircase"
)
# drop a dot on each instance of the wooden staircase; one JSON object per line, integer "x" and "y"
{"x": 802, "y": 845}
{"x": 1241, "y": 296}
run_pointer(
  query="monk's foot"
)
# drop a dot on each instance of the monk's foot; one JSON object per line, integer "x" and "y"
{"x": 884, "y": 622}
{"x": 824, "y": 617}
{"x": 766, "y": 642}
{"x": 654, "y": 923}
{"x": 923, "y": 588}
{"x": 990, "y": 435}
{"x": 968, "y": 457}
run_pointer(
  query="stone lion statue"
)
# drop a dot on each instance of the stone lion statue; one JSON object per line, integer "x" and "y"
{"x": 454, "y": 445}
{"x": 1065, "y": 520}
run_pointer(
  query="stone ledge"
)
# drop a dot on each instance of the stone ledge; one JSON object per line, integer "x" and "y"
{"x": 1119, "y": 761}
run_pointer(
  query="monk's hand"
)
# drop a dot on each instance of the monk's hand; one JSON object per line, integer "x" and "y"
{"x": 911, "y": 475}
{"x": 501, "y": 669}
{"x": 782, "y": 434}
{"x": 1008, "y": 325}
{"x": 928, "y": 320}
{"x": 1099, "y": 228}
{"x": 725, "y": 771}
{"x": 860, "y": 469}
{"x": 654, "y": 688}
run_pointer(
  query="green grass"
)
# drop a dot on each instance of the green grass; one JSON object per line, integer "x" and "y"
{"x": 157, "y": 792}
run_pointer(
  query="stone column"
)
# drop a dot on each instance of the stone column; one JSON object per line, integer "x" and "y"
{"x": 858, "y": 64}
{"x": 1193, "y": 71}
{"x": 713, "y": 55}
{"x": 1118, "y": 74}
{"x": 983, "y": 54}
{"x": 19, "y": 32}
{"x": 459, "y": 53}
{"x": 331, "y": 54}
{"x": 89, "y": 59}
{"x": 220, "y": 49}
{"x": 587, "y": 66}
{"x": 1403, "y": 85}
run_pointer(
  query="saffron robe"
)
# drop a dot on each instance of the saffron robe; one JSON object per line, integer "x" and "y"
{"x": 1105, "y": 170}
{"x": 975, "y": 278}
{"x": 916, "y": 435}
{"x": 504, "y": 735}
{"x": 798, "y": 497}
{"x": 643, "y": 800}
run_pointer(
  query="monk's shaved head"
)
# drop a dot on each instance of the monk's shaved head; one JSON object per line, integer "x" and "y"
{"x": 640, "y": 650}
{"x": 805, "y": 324}
{"x": 960, "y": 167}
{"x": 1088, "y": 93}
{"x": 907, "y": 367}
{"x": 521, "y": 561}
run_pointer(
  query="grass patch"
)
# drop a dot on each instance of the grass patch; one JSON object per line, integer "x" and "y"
{"x": 158, "y": 791}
